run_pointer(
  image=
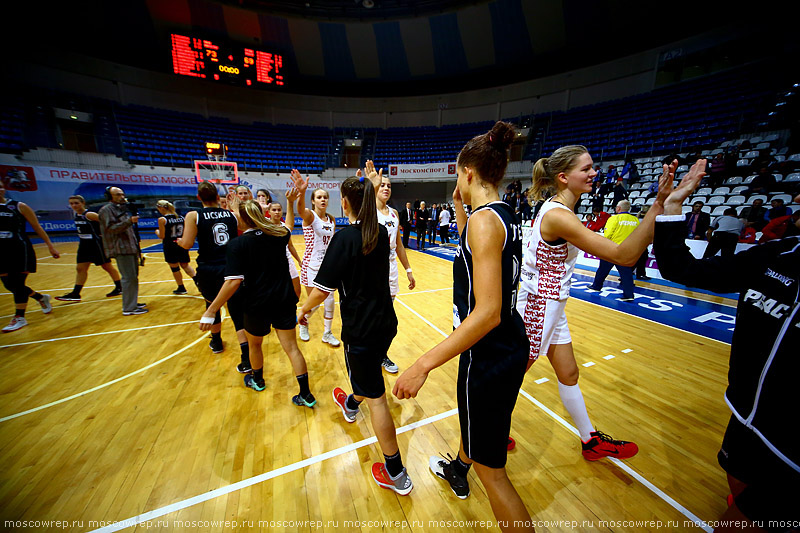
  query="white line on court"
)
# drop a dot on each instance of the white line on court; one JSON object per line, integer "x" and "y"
{"x": 587, "y": 365}
{"x": 541, "y": 380}
{"x": 658, "y": 492}
{"x": 627, "y": 350}
{"x": 200, "y": 498}
{"x": 68, "y": 305}
{"x": 607, "y": 357}
{"x": 421, "y": 317}
{"x": 98, "y": 334}
{"x": 104, "y": 385}
{"x": 92, "y": 286}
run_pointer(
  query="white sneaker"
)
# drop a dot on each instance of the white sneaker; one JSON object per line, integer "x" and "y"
{"x": 45, "y": 303}
{"x": 16, "y": 323}
{"x": 330, "y": 339}
{"x": 304, "y": 336}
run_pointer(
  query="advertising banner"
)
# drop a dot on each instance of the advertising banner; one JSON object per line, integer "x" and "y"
{"x": 431, "y": 170}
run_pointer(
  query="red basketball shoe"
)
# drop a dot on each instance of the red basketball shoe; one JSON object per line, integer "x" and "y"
{"x": 601, "y": 445}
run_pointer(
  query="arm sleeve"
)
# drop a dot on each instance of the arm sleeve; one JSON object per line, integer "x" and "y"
{"x": 717, "y": 274}
{"x": 334, "y": 265}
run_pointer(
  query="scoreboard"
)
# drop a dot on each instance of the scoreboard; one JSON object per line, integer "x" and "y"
{"x": 226, "y": 62}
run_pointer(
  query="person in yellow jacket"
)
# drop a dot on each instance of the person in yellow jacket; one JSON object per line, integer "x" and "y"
{"x": 618, "y": 228}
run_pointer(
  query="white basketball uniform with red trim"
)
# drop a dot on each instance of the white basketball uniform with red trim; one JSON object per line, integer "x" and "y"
{"x": 317, "y": 236}
{"x": 392, "y": 224}
{"x": 292, "y": 269}
{"x": 544, "y": 287}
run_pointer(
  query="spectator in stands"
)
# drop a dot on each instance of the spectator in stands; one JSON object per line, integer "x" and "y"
{"x": 754, "y": 215}
{"x": 718, "y": 173}
{"x": 723, "y": 234}
{"x": 652, "y": 190}
{"x": 587, "y": 219}
{"x": 780, "y": 227}
{"x": 600, "y": 218}
{"x": 119, "y": 242}
{"x": 697, "y": 222}
{"x": 778, "y": 210}
{"x": 620, "y": 193}
{"x": 763, "y": 160}
{"x": 611, "y": 175}
{"x": 525, "y": 207}
{"x": 619, "y": 227}
{"x": 763, "y": 183}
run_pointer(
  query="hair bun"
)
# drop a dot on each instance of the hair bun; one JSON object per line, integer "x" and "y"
{"x": 501, "y": 135}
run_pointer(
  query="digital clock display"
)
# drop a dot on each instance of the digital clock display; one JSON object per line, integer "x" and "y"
{"x": 218, "y": 61}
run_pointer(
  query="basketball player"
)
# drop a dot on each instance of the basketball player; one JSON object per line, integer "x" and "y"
{"x": 318, "y": 229}
{"x": 258, "y": 257}
{"x": 356, "y": 265}
{"x": 275, "y": 214}
{"x": 390, "y": 220}
{"x": 170, "y": 229}
{"x": 90, "y": 250}
{"x": 214, "y": 227}
{"x": 549, "y": 261}
{"x": 17, "y": 258}
{"x": 264, "y": 198}
{"x": 489, "y": 333}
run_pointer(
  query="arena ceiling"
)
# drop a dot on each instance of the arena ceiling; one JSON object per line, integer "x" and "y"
{"x": 379, "y": 47}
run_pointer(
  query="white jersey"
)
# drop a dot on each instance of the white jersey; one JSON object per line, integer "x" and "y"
{"x": 392, "y": 224}
{"x": 317, "y": 236}
{"x": 547, "y": 269}
{"x": 444, "y": 218}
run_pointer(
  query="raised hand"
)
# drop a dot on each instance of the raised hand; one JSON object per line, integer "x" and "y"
{"x": 457, "y": 197}
{"x": 665, "y": 182}
{"x": 372, "y": 175}
{"x": 690, "y": 182}
{"x": 292, "y": 194}
{"x": 300, "y": 183}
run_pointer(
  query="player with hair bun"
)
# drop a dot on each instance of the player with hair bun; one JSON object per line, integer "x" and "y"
{"x": 489, "y": 333}
{"x": 170, "y": 229}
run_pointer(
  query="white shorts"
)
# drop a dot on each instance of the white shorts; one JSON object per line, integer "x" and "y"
{"x": 545, "y": 322}
{"x": 308, "y": 275}
{"x": 394, "y": 278}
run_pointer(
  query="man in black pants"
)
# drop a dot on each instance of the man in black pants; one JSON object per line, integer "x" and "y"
{"x": 422, "y": 225}
{"x": 406, "y": 218}
{"x": 759, "y": 452}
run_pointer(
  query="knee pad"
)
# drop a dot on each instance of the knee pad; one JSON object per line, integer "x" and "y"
{"x": 174, "y": 269}
{"x": 329, "y": 304}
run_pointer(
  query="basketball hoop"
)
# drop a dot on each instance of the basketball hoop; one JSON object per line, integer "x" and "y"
{"x": 217, "y": 170}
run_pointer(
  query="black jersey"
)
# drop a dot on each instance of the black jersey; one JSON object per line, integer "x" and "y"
{"x": 173, "y": 229}
{"x": 16, "y": 250}
{"x": 87, "y": 229}
{"x": 260, "y": 261}
{"x": 363, "y": 283}
{"x": 510, "y": 333}
{"x": 12, "y": 223}
{"x": 215, "y": 228}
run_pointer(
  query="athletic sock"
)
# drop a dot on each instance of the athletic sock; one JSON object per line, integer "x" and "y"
{"x": 351, "y": 403}
{"x": 572, "y": 398}
{"x": 118, "y": 284}
{"x": 394, "y": 464}
{"x": 461, "y": 468}
{"x": 20, "y": 313}
{"x": 328, "y": 322}
{"x": 77, "y": 289}
{"x": 36, "y": 296}
{"x": 303, "y": 382}
{"x": 216, "y": 336}
{"x": 181, "y": 287}
{"x": 245, "y": 347}
{"x": 258, "y": 375}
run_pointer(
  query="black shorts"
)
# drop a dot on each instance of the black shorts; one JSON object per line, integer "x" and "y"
{"x": 91, "y": 251}
{"x": 488, "y": 386}
{"x": 257, "y": 323}
{"x": 175, "y": 254}
{"x": 17, "y": 256}
{"x": 364, "y": 368}
{"x": 210, "y": 279}
{"x": 770, "y": 498}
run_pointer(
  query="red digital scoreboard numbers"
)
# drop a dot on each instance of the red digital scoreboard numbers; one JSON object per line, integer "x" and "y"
{"x": 217, "y": 61}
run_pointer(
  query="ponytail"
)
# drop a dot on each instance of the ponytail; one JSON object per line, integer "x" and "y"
{"x": 164, "y": 204}
{"x": 360, "y": 195}
{"x": 252, "y": 215}
{"x": 547, "y": 169}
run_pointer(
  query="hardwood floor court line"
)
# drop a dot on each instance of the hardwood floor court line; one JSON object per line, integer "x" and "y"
{"x": 68, "y": 305}
{"x": 108, "y": 383}
{"x": 638, "y": 477}
{"x": 92, "y": 286}
{"x": 72, "y": 337}
{"x": 200, "y": 498}
{"x": 421, "y": 317}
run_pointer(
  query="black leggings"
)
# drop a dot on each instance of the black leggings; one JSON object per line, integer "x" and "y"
{"x": 15, "y": 283}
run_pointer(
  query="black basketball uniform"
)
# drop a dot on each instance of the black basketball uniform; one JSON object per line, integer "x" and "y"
{"x": 173, "y": 230}
{"x": 215, "y": 229}
{"x": 268, "y": 299}
{"x": 369, "y": 322}
{"x": 90, "y": 247}
{"x": 16, "y": 250}
{"x": 490, "y": 373}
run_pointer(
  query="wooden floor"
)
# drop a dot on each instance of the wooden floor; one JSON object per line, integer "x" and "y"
{"x": 106, "y": 418}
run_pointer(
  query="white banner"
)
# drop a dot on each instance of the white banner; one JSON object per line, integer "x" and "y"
{"x": 430, "y": 170}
